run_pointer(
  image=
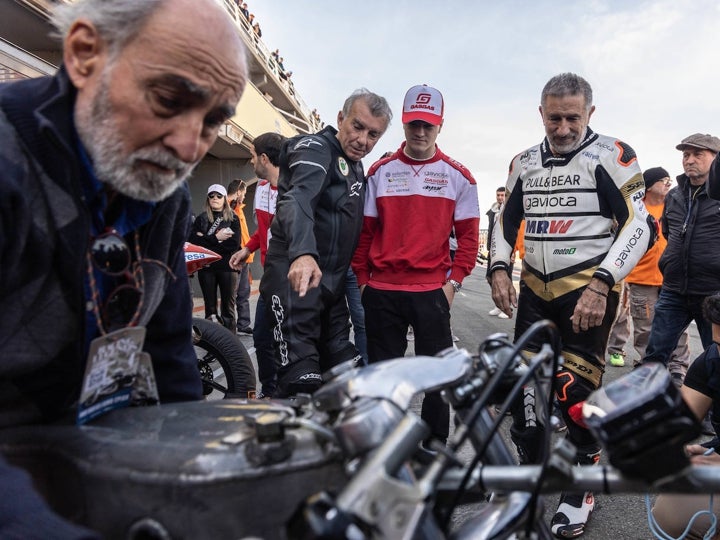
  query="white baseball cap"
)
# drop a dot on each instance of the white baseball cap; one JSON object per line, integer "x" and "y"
{"x": 217, "y": 188}
{"x": 423, "y": 102}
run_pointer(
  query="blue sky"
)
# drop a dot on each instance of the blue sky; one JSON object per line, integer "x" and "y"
{"x": 653, "y": 66}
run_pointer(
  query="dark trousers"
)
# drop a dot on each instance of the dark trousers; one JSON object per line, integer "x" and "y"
{"x": 584, "y": 352}
{"x": 264, "y": 350}
{"x": 387, "y": 316}
{"x": 311, "y": 334}
{"x": 210, "y": 281}
{"x": 242, "y": 298}
{"x": 357, "y": 314}
{"x": 673, "y": 313}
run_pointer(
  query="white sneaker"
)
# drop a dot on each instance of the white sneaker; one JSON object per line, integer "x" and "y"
{"x": 502, "y": 315}
{"x": 495, "y": 312}
{"x": 572, "y": 514}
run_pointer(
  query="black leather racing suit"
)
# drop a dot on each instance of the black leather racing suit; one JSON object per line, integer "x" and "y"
{"x": 570, "y": 204}
{"x": 319, "y": 213}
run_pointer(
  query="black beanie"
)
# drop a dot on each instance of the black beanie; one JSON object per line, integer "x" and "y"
{"x": 651, "y": 176}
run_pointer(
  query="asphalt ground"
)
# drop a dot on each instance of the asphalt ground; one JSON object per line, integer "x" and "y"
{"x": 616, "y": 516}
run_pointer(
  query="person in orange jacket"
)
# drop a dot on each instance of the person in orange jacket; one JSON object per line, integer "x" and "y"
{"x": 237, "y": 189}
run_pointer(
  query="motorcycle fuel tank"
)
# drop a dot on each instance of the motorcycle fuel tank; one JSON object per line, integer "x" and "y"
{"x": 220, "y": 469}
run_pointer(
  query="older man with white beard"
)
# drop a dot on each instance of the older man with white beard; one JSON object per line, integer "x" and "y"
{"x": 95, "y": 209}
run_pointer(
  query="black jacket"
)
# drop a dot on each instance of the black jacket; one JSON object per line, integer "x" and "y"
{"x": 690, "y": 221}
{"x": 44, "y": 235}
{"x": 319, "y": 210}
{"x": 199, "y": 236}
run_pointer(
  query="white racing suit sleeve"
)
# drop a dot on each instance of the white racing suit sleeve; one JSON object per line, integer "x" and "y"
{"x": 621, "y": 183}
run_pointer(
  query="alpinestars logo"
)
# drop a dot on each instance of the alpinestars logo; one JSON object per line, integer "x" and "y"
{"x": 306, "y": 142}
{"x": 279, "y": 313}
{"x": 355, "y": 189}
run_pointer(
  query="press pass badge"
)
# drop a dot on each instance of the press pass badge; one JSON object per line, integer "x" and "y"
{"x": 111, "y": 370}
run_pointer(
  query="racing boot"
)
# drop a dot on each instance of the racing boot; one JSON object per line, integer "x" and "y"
{"x": 575, "y": 508}
{"x": 572, "y": 514}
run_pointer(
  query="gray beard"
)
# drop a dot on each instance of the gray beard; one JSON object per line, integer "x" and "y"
{"x": 570, "y": 147}
{"x": 125, "y": 173}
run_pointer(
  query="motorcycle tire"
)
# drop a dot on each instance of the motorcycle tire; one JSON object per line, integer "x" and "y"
{"x": 225, "y": 366}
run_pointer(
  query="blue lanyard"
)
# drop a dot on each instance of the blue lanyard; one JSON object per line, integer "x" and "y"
{"x": 133, "y": 215}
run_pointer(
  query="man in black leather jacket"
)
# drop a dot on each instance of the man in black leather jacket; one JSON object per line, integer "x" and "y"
{"x": 313, "y": 236}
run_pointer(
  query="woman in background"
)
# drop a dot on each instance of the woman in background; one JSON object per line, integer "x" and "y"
{"x": 218, "y": 229}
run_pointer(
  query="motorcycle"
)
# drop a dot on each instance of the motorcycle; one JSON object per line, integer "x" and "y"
{"x": 347, "y": 462}
{"x": 225, "y": 366}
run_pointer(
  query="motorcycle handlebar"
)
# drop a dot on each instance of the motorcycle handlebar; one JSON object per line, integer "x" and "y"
{"x": 496, "y": 375}
{"x": 596, "y": 478}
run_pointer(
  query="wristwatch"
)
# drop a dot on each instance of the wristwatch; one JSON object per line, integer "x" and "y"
{"x": 456, "y": 285}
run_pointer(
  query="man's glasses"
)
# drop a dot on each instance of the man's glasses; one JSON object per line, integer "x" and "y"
{"x": 215, "y": 196}
{"x": 110, "y": 254}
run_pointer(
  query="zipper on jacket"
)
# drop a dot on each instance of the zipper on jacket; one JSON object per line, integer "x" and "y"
{"x": 545, "y": 243}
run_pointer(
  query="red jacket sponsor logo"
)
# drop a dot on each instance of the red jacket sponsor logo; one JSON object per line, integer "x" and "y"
{"x": 436, "y": 181}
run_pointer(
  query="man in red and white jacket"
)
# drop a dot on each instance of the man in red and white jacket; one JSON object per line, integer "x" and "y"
{"x": 265, "y": 159}
{"x": 264, "y": 207}
{"x": 413, "y": 200}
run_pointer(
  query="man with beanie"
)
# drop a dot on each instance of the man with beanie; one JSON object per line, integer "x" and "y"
{"x": 406, "y": 275}
{"x": 690, "y": 264}
{"x": 642, "y": 286}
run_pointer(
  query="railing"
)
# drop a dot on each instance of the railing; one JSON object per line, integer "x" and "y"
{"x": 17, "y": 63}
{"x": 304, "y": 121}
{"x": 264, "y": 56}
{"x": 41, "y": 7}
